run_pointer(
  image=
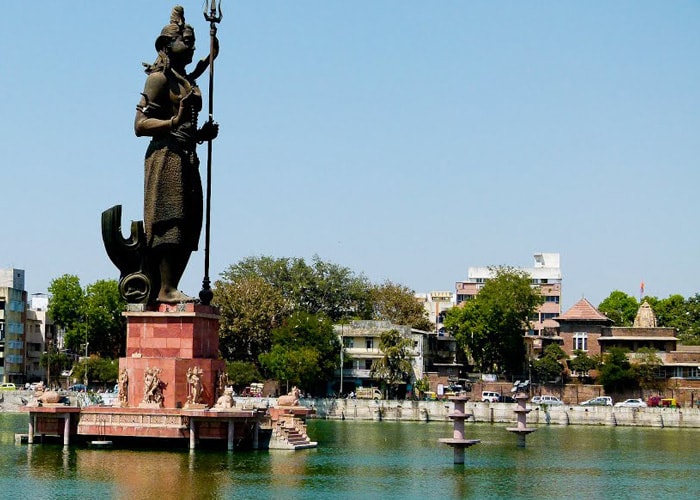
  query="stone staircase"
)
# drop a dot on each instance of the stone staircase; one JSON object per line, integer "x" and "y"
{"x": 289, "y": 433}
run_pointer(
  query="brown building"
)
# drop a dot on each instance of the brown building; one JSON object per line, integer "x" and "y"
{"x": 581, "y": 327}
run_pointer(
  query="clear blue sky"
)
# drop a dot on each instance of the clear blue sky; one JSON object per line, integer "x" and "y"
{"x": 404, "y": 139}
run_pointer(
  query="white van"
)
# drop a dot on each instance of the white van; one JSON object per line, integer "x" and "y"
{"x": 490, "y": 397}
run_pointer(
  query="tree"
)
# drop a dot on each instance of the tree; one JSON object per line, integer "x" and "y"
{"x": 646, "y": 364}
{"x": 490, "y": 327}
{"x": 422, "y": 386}
{"x": 319, "y": 288}
{"x": 104, "y": 322}
{"x": 99, "y": 370}
{"x": 250, "y": 309}
{"x": 92, "y": 315}
{"x": 548, "y": 367}
{"x": 305, "y": 352}
{"x": 616, "y": 373}
{"x": 54, "y": 362}
{"x": 397, "y": 304}
{"x": 582, "y": 363}
{"x": 394, "y": 367}
{"x": 242, "y": 373}
{"x": 620, "y": 307}
{"x": 689, "y": 332}
{"x": 66, "y": 302}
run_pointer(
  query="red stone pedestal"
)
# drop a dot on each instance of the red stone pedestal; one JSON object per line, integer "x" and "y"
{"x": 173, "y": 338}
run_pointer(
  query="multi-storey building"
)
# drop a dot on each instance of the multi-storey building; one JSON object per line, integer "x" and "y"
{"x": 436, "y": 304}
{"x": 545, "y": 275}
{"x": 39, "y": 336}
{"x": 433, "y": 356}
{"x": 13, "y": 299}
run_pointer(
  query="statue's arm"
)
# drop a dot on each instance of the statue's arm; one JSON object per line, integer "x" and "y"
{"x": 150, "y": 118}
{"x": 203, "y": 63}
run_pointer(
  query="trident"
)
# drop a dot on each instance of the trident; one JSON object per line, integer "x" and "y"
{"x": 214, "y": 17}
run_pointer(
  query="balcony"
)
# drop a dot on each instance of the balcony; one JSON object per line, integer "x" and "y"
{"x": 356, "y": 373}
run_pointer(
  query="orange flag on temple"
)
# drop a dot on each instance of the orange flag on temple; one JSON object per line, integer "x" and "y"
{"x": 641, "y": 289}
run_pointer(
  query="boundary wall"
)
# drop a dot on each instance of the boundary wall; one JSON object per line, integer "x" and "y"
{"x": 427, "y": 411}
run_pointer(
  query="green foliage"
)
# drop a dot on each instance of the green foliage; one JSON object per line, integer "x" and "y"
{"x": 547, "y": 369}
{"x": 242, "y": 373}
{"x": 555, "y": 352}
{"x": 54, "y": 362}
{"x": 394, "y": 367}
{"x": 617, "y": 374}
{"x": 422, "y": 386}
{"x": 319, "y": 288}
{"x": 106, "y": 326}
{"x": 582, "y": 363}
{"x": 620, "y": 307}
{"x": 66, "y": 304}
{"x": 646, "y": 364}
{"x": 490, "y": 327}
{"x": 93, "y": 315}
{"x": 305, "y": 352}
{"x": 102, "y": 371}
{"x": 398, "y": 304}
{"x": 250, "y": 309}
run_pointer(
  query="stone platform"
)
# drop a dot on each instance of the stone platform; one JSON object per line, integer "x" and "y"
{"x": 170, "y": 381}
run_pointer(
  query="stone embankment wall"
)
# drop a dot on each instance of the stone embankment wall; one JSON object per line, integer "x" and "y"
{"x": 355, "y": 409}
{"x": 436, "y": 411}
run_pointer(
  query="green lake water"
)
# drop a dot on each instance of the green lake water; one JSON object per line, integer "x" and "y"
{"x": 368, "y": 460}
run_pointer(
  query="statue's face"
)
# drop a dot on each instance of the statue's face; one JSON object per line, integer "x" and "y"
{"x": 182, "y": 48}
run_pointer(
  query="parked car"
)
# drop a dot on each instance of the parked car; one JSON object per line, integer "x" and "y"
{"x": 78, "y": 388}
{"x": 490, "y": 397}
{"x": 546, "y": 400}
{"x": 506, "y": 399}
{"x": 631, "y": 403}
{"x": 8, "y": 386}
{"x": 599, "y": 401}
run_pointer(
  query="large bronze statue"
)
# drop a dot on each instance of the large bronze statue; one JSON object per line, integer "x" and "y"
{"x": 154, "y": 259}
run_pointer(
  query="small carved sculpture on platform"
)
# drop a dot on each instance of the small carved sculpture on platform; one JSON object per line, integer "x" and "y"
{"x": 226, "y": 400}
{"x": 124, "y": 387}
{"x": 291, "y": 399}
{"x": 152, "y": 387}
{"x": 194, "y": 381}
{"x": 222, "y": 383}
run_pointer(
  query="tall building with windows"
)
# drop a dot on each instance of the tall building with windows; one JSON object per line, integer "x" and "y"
{"x": 545, "y": 275}
{"x": 13, "y": 300}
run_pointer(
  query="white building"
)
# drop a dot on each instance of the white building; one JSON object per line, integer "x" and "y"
{"x": 360, "y": 340}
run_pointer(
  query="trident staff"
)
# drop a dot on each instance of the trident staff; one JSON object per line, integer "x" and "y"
{"x": 214, "y": 17}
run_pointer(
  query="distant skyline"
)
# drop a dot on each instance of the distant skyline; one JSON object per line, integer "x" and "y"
{"x": 407, "y": 141}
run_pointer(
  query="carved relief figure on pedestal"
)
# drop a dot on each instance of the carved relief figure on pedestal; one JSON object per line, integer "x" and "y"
{"x": 124, "y": 387}
{"x": 152, "y": 387}
{"x": 222, "y": 382}
{"x": 194, "y": 381}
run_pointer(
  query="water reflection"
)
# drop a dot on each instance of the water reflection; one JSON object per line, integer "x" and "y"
{"x": 369, "y": 460}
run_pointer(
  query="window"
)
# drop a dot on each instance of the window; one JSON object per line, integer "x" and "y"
{"x": 349, "y": 342}
{"x": 552, "y": 298}
{"x": 581, "y": 341}
{"x": 368, "y": 364}
{"x": 369, "y": 343}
